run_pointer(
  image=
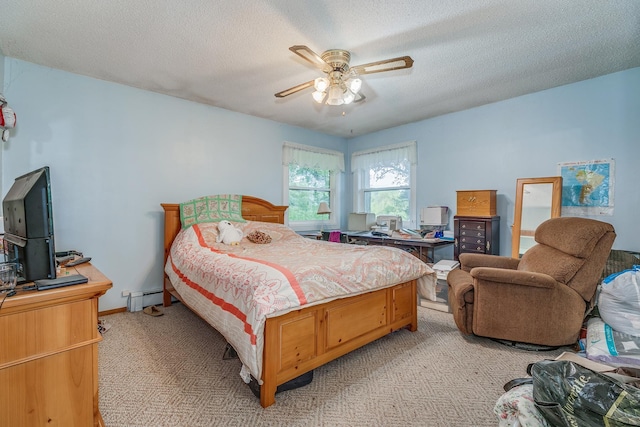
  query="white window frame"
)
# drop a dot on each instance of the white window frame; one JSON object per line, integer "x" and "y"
{"x": 319, "y": 158}
{"x": 359, "y": 169}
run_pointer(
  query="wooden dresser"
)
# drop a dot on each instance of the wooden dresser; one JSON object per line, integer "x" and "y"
{"x": 476, "y": 227}
{"x": 476, "y": 234}
{"x": 49, "y": 354}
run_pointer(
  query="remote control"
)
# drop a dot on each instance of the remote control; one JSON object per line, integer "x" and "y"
{"x": 77, "y": 262}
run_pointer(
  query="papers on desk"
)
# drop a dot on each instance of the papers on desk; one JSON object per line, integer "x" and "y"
{"x": 412, "y": 233}
{"x": 406, "y": 233}
{"x": 402, "y": 234}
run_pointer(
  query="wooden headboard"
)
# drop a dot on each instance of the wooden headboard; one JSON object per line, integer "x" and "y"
{"x": 253, "y": 209}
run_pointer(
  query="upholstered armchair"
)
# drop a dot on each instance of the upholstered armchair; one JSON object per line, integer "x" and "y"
{"x": 541, "y": 298}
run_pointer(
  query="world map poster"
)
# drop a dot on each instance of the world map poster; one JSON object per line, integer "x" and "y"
{"x": 587, "y": 187}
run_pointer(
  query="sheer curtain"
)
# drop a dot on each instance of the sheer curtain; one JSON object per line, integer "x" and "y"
{"x": 363, "y": 160}
{"x": 312, "y": 157}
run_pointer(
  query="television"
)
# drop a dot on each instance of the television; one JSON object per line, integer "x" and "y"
{"x": 28, "y": 226}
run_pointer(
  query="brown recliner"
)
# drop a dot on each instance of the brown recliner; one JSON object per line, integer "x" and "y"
{"x": 541, "y": 298}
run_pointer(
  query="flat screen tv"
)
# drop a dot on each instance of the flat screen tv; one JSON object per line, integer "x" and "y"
{"x": 28, "y": 226}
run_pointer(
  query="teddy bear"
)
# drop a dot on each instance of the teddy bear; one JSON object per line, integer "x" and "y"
{"x": 228, "y": 234}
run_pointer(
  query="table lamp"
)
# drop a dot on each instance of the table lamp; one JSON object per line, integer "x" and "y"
{"x": 323, "y": 209}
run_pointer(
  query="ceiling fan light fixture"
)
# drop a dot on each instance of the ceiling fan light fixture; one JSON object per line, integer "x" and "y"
{"x": 342, "y": 83}
{"x": 348, "y": 96}
{"x": 354, "y": 84}
{"x": 335, "y": 95}
{"x": 318, "y": 96}
{"x": 321, "y": 84}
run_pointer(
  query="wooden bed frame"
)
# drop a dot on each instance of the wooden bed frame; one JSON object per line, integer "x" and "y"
{"x": 304, "y": 339}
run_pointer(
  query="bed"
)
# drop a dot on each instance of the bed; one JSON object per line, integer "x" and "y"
{"x": 289, "y": 340}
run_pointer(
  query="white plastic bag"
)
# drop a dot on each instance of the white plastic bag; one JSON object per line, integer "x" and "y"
{"x": 619, "y": 301}
{"x": 614, "y": 348}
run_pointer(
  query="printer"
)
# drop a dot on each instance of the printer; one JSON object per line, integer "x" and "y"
{"x": 435, "y": 216}
{"x": 361, "y": 221}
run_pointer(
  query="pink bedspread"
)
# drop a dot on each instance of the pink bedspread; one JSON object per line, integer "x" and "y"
{"x": 236, "y": 287}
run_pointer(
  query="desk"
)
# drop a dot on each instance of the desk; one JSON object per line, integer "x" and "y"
{"x": 421, "y": 248}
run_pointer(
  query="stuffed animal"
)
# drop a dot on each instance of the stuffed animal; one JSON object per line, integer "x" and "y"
{"x": 228, "y": 234}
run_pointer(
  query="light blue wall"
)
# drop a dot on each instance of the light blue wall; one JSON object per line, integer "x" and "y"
{"x": 117, "y": 152}
{"x": 1, "y": 91}
{"x": 489, "y": 147}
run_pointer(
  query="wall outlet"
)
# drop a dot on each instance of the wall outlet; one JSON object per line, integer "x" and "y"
{"x": 126, "y": 293}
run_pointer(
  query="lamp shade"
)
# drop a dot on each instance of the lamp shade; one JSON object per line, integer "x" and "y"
{"x": 323, "y": 208}
{"x": 318, "y": 96}
{"x": 354, "y": 85}
{"x": 335, "y": 95}
{"x": 348, "y": 96}
{"x": 321, "y": 84}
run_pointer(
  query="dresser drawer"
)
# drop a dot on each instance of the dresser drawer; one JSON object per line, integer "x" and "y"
{"x": 48, "y": 330}
{"x": 472, "y": 240}
{"x": 468, "y": 247}
{"x": 472, "y": 232}
{"x": 473, "y": 225}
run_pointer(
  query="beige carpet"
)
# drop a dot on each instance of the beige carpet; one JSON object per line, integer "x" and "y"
{"x": 169, "y": 371}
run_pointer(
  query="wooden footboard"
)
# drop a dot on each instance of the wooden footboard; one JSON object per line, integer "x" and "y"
{"x": 304, "y": 339}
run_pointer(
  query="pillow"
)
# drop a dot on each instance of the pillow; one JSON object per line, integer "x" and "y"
{"x": 259, "y": 237}
{"x": 211, "y": 209}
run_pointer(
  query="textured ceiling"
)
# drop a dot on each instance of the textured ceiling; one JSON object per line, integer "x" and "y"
{"x": 234, "y": 54}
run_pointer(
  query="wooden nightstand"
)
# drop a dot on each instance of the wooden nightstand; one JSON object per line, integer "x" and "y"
{"x": 49, "y": 354}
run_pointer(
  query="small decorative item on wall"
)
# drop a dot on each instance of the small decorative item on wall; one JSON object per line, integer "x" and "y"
{"x": 587, "y": 187}
{"x": 7, "y": 118}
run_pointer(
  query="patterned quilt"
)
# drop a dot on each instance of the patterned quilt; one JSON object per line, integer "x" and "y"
{"x": 236, "y": 287}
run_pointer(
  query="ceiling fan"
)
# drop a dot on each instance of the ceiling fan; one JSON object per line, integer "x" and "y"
{"x": 341, "y": 84}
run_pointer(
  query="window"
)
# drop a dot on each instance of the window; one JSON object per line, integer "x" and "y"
{"x": 311, "y": 177}
{"x": 384, "y": 181}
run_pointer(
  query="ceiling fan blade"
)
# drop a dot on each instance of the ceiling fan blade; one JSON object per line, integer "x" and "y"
{"x": 295, "y": 89}
{"x": 306, "y": 53}
{"x": 384, "y": 65}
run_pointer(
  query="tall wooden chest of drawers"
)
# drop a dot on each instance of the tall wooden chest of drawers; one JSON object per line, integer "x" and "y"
{"x": 49, "y": 354}
{"x": 476, "y": 234}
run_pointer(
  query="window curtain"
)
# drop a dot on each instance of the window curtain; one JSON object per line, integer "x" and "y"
{"x": 312, "y": 157}
{"x": 363, "y": 160}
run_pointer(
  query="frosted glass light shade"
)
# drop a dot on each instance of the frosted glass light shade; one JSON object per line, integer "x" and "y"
{"x": 321, "y": 84}
{"x": 348, "y": 97}
{"x": 354, "y": 85}
{"x": 318, "y": 96}
{"x": 335, "y": 96}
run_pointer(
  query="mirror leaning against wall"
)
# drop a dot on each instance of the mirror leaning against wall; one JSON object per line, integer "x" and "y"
{"x": 537, "y": 199}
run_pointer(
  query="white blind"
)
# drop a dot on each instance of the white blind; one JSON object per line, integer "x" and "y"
{"x": 363, "y": 160}
{"x": 312, "y": 157}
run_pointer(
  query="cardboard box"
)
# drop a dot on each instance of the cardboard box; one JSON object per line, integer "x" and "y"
{"x": 476, "y": 203}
